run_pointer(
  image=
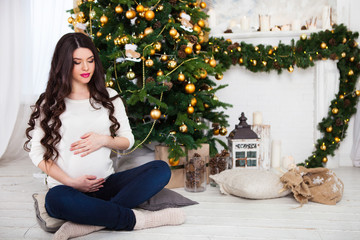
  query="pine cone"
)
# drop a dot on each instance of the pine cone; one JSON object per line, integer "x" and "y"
{"x": 196, "y": 155}
{"x": 182, "y": 47}
{"x": 333, "y": 56}
{"x": 347, "y": 103}
{"x": 150, "y": 79}
{"x": 181, "y": 54}
{"x": 277, "y": 65}
{"x": 157, "y": 25}
{"x": 319, "y": 56}
{"x": 231, "y": 47}
{"x": 234, "y": 61}
{"x": 173, "y": 2}
{"x": 193, "y": 39}
{"x": 228, "y": 31}
{"x": 168, "y": 84}
{"x": 338, "y": 122}
{"x": 332, "y": 42}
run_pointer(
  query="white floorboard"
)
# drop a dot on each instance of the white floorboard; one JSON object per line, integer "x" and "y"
{"x": 215, "y": 217}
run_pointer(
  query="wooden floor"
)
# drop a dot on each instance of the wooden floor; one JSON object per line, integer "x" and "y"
{"x": 216, "y": 217}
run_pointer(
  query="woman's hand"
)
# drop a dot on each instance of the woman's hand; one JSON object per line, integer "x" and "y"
{"x": 89, "y": 143}
{"x": 88, "y": 183}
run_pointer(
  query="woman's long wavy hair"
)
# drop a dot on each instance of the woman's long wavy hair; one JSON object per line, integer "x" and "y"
{"x": 51, "y": 104}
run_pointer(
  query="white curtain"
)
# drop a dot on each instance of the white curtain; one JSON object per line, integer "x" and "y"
{"x": 30, "y": 32}
{"x": 355, "y": 150}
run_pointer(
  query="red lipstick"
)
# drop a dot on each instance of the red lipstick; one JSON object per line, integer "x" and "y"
{"x": 85, "y": 75}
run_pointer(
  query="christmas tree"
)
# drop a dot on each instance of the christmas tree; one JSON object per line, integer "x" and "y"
{"x": 157, "y": 57}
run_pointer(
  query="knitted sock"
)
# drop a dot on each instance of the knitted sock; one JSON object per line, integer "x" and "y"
{"x": 72, "y": 230}
{"x": 149, "y": 219}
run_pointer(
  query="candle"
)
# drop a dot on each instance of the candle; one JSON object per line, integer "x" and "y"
{"x": 288, "y": 162}
{"x": 275, "y": 153}
{"x": 296, "y": 25}
{"x": 257, "y": 118}
{"x": 326, "y": 17}
{"x": 264, "y": 23}
{"x": 244, "y": 22}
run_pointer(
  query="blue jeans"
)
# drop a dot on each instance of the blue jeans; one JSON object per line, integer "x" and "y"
{"x": 111, "y": 205}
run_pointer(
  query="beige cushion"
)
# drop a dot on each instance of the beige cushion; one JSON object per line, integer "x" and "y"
{"x": 250, "y": 183}
{"x": 47, "y": 223}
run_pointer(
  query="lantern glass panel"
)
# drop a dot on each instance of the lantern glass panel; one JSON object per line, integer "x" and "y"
{"x": 240, "y": 163}
{"x": 240, "y": 154}
{"x": 251, "y": 154}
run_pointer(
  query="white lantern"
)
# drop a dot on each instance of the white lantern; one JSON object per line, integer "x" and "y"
{"x": 244, "y": 145}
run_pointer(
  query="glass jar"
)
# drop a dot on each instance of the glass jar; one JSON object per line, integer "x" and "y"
{"x": 218, "y": 164}
{"x": 195, "y": 174}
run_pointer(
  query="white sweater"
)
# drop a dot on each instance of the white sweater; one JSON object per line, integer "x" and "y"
{"x": 80, "y": 118}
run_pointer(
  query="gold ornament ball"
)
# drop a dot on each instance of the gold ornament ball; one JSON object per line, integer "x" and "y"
{"x": 324, "y": 160}
{"x": 303, "y": 36}
{"x": 173, "y": 32}
{"x": 323, "y": 45}
{"x": 157, "y": 46}
{"x": 357, "y": 92}
{"x": 174, "y": 161}
{"x": 201, "y": 39}
{"x": 203, "y": 73}
{"x": 130, "y": 14}
{"x": 193, "y": 102}
{"x": 92, "y": 14}
{"x": 337, "y": 139}
{"x": 98, "y": 34}
{"x": 223, "y": 131}
{"x": 201, "y": 23}
{"x": 203, "y": 5}
{"x": 159, "y": 73}
{"x": 352, "y": 59}
{"x": 149, "y": 63}
{"x": 341, "y": 96}
{"x": 335, "y": 110}
{"x": 206, "y": 105}
{"x": 270, "y": 51}
{"x": 256, "y": 48}
{"x": 149, "y": 15}
{"x": 219, "y": 76}
{"x": 139, "y": 8}
{"x": 152, "y": 51}
{"x": 216, "y": 49}
{"x": 198, "y": 47}
{"x": 160, "y": 7}
{"x": 190, "y": 88}
{"x": 197, "y": 29}
{"x": 343, "y": 54}
{"x": 212, "y": 62}
{"x": 172, "y": 64}
{"x": 264, "y": 63}
{"x": 130, "y": 75}
{"x": 241, "y": 60}
{"x": 181, "y": 77}
{"x": 291, "y": 69}
{"x": 155, "y": 114}
{"x": 310, "y": 58}
{"x": 329, "y": 129}
{"x": 108, "y": 37}
{"x": 344, "y": 40}
{"x": 351, "y": 72}
{"x": 254, "y": 62}
{"x": 188, "y": 50}
{"x": 118, "y": 9}
{"x": 104, "y": 19}
{"x": 206, "y": 60}
{"x": 183, "y": 128}
{"x": 216, "y": 131}
{"x": 190, "y": 109}
{"x": 164, "y": 58}
{"x": 148, "y": 31}
{"x": 70, "y": 20}
{"x": 109, "y": 83}
{"x": 215, "y": 98}
{"x": 323, "y": 147}
{"x": 81, "y": 14}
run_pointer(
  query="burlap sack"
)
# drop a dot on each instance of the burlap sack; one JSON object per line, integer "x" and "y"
{"x": 314, "y": 184}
